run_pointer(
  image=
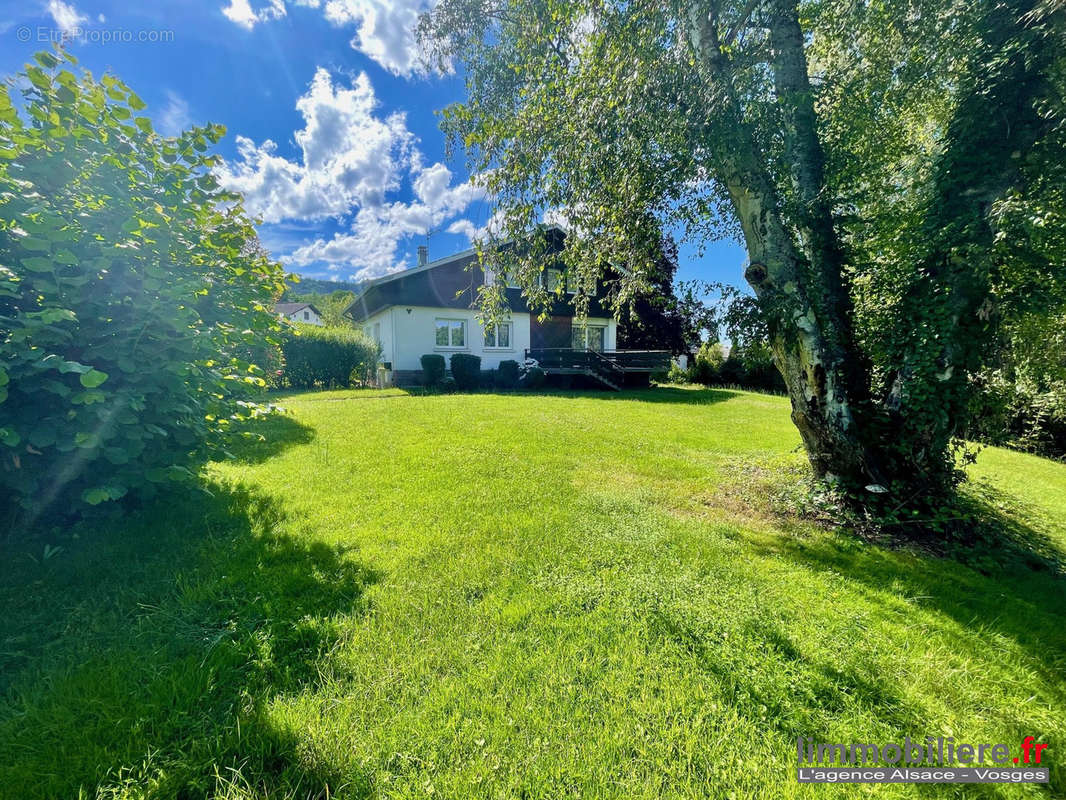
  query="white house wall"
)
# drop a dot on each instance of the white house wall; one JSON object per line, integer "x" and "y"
{"x": 312, "y": 317}
{"x": 409, "y": 332}
{"x": 415, "y": 334}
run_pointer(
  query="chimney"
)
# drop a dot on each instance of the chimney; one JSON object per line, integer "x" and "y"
{"x": 423, "y": 255}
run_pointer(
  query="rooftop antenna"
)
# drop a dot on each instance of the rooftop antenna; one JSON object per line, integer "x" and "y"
{"x": 423, "y": 249}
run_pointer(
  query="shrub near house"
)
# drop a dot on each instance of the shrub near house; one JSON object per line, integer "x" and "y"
{"x": 131, "y": 291}
{"x": 329, "y": 357}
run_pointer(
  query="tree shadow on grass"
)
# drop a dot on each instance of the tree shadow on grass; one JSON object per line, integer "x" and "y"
{"x": 146, "y": 659}
{"x": 1007, "y": 580}
{"x": 657, "y": 394}
{"x": 263, "y": 438}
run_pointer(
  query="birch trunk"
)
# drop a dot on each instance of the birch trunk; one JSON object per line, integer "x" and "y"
{"x": 800, "y": 292}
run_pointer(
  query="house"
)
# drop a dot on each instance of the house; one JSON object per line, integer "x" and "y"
{"x": 430, "y": 308}
{"x": 299, "y": 312}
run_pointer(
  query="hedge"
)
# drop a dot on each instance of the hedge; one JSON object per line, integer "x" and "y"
{"x": 466, "y": 369}
{"x": 507, "y": 375}
{"x": 433, "y": 369}
{"x": 328, "y": 357}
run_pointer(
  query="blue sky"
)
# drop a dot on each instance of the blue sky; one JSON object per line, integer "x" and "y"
{"x": 332, "y": 132}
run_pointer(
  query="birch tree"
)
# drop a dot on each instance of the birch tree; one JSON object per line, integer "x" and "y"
{"x": 863, "y": 153}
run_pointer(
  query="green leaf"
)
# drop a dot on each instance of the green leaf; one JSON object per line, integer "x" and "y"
{"x": 101, "y": 494}
{"x": 46, "y": 59}
{"x": 38, "y": 264}
{"x": 93, "y": 378}
{"x": 35, "y": 243}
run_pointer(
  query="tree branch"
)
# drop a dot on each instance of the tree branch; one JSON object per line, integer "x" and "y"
{"x": 741, "y": 23}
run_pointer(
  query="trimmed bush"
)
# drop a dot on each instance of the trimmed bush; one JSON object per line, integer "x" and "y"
{"x": 327, "y": 357}
{"x": 433, "y": 369}
{"x": 132, "y": 293}
{"x": 532, "y": 378}
{"x": 507, "y": 375}
{"x": 466, "y": 369}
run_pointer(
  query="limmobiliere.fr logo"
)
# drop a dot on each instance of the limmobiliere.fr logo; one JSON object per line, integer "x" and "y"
{"x": 932, "y": 760}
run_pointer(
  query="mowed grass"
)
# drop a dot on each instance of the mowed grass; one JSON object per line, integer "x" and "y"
{"x": 527, "y": 596}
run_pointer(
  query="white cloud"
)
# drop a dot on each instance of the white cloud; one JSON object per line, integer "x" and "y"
{"x": 67, "y": 18}
{"x": 384, "y": 29}
{"x": 350, "y": 160}
{"x": 349, "y": 156}
{"x": 174, "y": 117}
{"x": 242, "y": 13}
{"x": 371, "y": 246}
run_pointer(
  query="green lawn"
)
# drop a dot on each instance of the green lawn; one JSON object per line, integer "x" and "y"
{"x": 528, "y": 596}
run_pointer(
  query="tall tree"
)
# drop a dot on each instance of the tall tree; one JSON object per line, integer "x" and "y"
{"x": 862, "y": 152}
{"x": 670, "y": 315}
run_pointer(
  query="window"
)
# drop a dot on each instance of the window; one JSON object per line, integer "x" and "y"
{"x": 555, "y": 279}
{"x": 498, "y": 336}
{"x": 590, "y": 337}
{"x": 377, "y": 333}
{"x": 451, "y": 333}
{"x": 307, "y": 315}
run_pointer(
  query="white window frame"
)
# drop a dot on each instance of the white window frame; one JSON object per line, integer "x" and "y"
{"x": 451, "y": 322}
{"x": 584, "y": 333}
{"x": 489, "y": 331}
{"x": 553, "y": 284}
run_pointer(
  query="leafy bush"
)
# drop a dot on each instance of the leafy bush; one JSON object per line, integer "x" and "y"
{"x": 748, "y": 366}
{"x": 331, "y": 357}
{"x": 433, "y": 369}
{"x": 466, "y": 369}
{"x": 507, "y": 375}
{"x": 532, "y": 378}
{"x": 132, "y": 289}
{"x": 706, "y": 365}
{"x": 676, "y": 375}
{"x": 1018, "y": 412}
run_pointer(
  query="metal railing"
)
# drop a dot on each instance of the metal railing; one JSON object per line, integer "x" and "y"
{"x": 624, "y": 360}
{"x": 610, "y": 365}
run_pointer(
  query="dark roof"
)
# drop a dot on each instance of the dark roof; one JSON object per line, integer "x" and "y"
{"x": 446, "y": 283}
{"x": 292, "y": 308}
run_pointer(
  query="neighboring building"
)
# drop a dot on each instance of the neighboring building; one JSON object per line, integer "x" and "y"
{"x": 430, "y": 309}
{"x": 299, "y": 312}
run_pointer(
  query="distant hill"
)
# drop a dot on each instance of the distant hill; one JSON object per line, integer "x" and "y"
{"x": 318, "y": 286}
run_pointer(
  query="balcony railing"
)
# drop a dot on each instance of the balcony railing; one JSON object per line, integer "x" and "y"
{"x": 616, "y": 360}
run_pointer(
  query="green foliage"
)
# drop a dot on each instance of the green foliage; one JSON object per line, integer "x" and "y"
{"x": 708, "y": 362}
{"x": 1020, "y": 398}
{"x": 466, "y": 370}
{"x": 669, "y": 315}
{"x": 532, "y": 379}
{"x": 677, "y": 375}
{"x": 586, "y": 579}
{"x": 896, "y": 210}
{"x": 132, "y": 289}
{"x": 434, "y": 368}
{"x": 507, "y": 375}
{"x": 747, "y": 366}
{"x": 317, "y": 356}
{"x": 332, "y": 305}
